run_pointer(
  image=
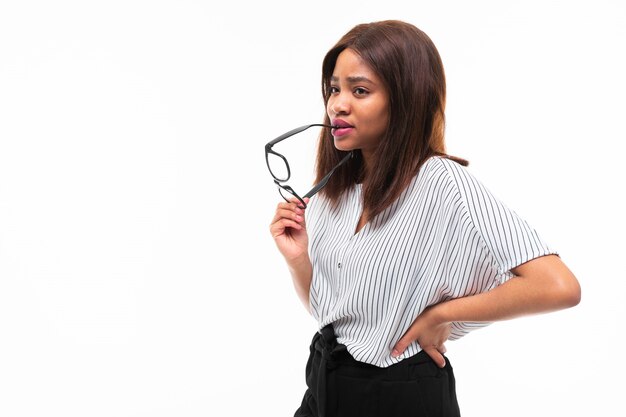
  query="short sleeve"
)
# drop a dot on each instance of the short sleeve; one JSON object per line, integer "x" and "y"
{"x": 509, "y": 239}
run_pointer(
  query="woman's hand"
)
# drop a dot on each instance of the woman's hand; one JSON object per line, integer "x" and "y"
{"x": 431, "y": 334}
{"x": 288, "y": 229}
{"x": 289, "y": 232}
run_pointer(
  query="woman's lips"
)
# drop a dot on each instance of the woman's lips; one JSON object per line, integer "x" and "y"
{"x": 342, "y": 128}
{"x": 341, "y": 131}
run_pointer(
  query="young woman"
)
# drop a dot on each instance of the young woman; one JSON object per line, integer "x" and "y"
{"x": 403, "y": 249}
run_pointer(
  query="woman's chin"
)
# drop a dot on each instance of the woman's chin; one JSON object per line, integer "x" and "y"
{"x": 343, "y": 146}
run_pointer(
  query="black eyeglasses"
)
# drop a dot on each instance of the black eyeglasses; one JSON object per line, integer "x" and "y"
{"x": 279, "y": 167}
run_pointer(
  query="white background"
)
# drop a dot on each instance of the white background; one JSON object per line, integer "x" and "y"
{"x": 137, "y": 273}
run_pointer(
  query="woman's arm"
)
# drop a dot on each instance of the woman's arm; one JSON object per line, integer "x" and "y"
{"x": 288, "y": 229}
{"x": 301, "y": 275}
{"x": 541, "y": 285}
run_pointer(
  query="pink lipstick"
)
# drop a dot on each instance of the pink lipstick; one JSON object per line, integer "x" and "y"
{"x": 341, "y": 128}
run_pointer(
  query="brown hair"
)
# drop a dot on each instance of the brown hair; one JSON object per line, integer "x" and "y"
{"x": 409, "y": 65}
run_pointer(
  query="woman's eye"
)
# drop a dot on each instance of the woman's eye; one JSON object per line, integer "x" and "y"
{"x": 360, "y": 91}
{"x": 333, "y": 90}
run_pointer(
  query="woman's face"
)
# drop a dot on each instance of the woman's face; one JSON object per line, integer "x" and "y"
{"x": 358, "y": 103}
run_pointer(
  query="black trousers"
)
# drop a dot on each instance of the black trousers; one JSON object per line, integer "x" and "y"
{"x": 340, "y": 386}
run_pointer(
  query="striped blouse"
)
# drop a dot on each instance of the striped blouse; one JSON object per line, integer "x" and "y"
{"x": 445, "y": 237}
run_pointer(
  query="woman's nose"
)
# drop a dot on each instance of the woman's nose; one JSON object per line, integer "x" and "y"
{"x": 339, "y": 105}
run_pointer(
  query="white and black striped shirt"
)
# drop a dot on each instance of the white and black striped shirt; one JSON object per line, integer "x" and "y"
{"x": 445, "y": 237}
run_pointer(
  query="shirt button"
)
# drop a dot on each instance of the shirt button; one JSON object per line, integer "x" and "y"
{"x": 339, "y": 265}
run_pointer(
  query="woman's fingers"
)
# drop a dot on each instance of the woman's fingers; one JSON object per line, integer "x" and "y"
{"x": 283, "y": 208}
{"x": 429, "y": 334}
{"x": 286, "y": 219}
{"x": 278, "y": 228}
{"x": 287, "y": 214}
{"x": 288, "y": 229}
{"x": 402, "y": 344}
{"x": 434, "y": 351}
{"x": 289, "y": 211}
{"x": 436, "y": 355}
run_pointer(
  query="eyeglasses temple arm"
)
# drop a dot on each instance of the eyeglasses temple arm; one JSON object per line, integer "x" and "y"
{"x": 292, "y": 132}
{"x": 324, "y": 180}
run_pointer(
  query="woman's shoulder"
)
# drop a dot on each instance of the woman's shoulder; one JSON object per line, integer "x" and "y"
{"x": 444, "y": 162}
{"x": 448, "y": 169}
{"x": 434, "y": 183}
{"x": 444, "y": 177}
{"x": 442, "y": 170}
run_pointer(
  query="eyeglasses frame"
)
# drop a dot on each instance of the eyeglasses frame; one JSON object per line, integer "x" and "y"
{"x": 279, "y": 181}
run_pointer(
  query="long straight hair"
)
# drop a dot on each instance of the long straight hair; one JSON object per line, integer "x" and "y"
{"x": 410, "y": 67}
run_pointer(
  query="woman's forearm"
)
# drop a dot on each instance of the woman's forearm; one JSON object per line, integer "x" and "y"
{"x": 301, "y": 274}
{"x": 541, "y": 285}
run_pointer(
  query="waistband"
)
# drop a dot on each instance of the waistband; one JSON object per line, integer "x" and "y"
{"x": 334, "y": 359}
{"x": 336, "y": 354}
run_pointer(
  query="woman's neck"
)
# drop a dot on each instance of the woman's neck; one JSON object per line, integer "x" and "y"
{"x": 367, "y": 163}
